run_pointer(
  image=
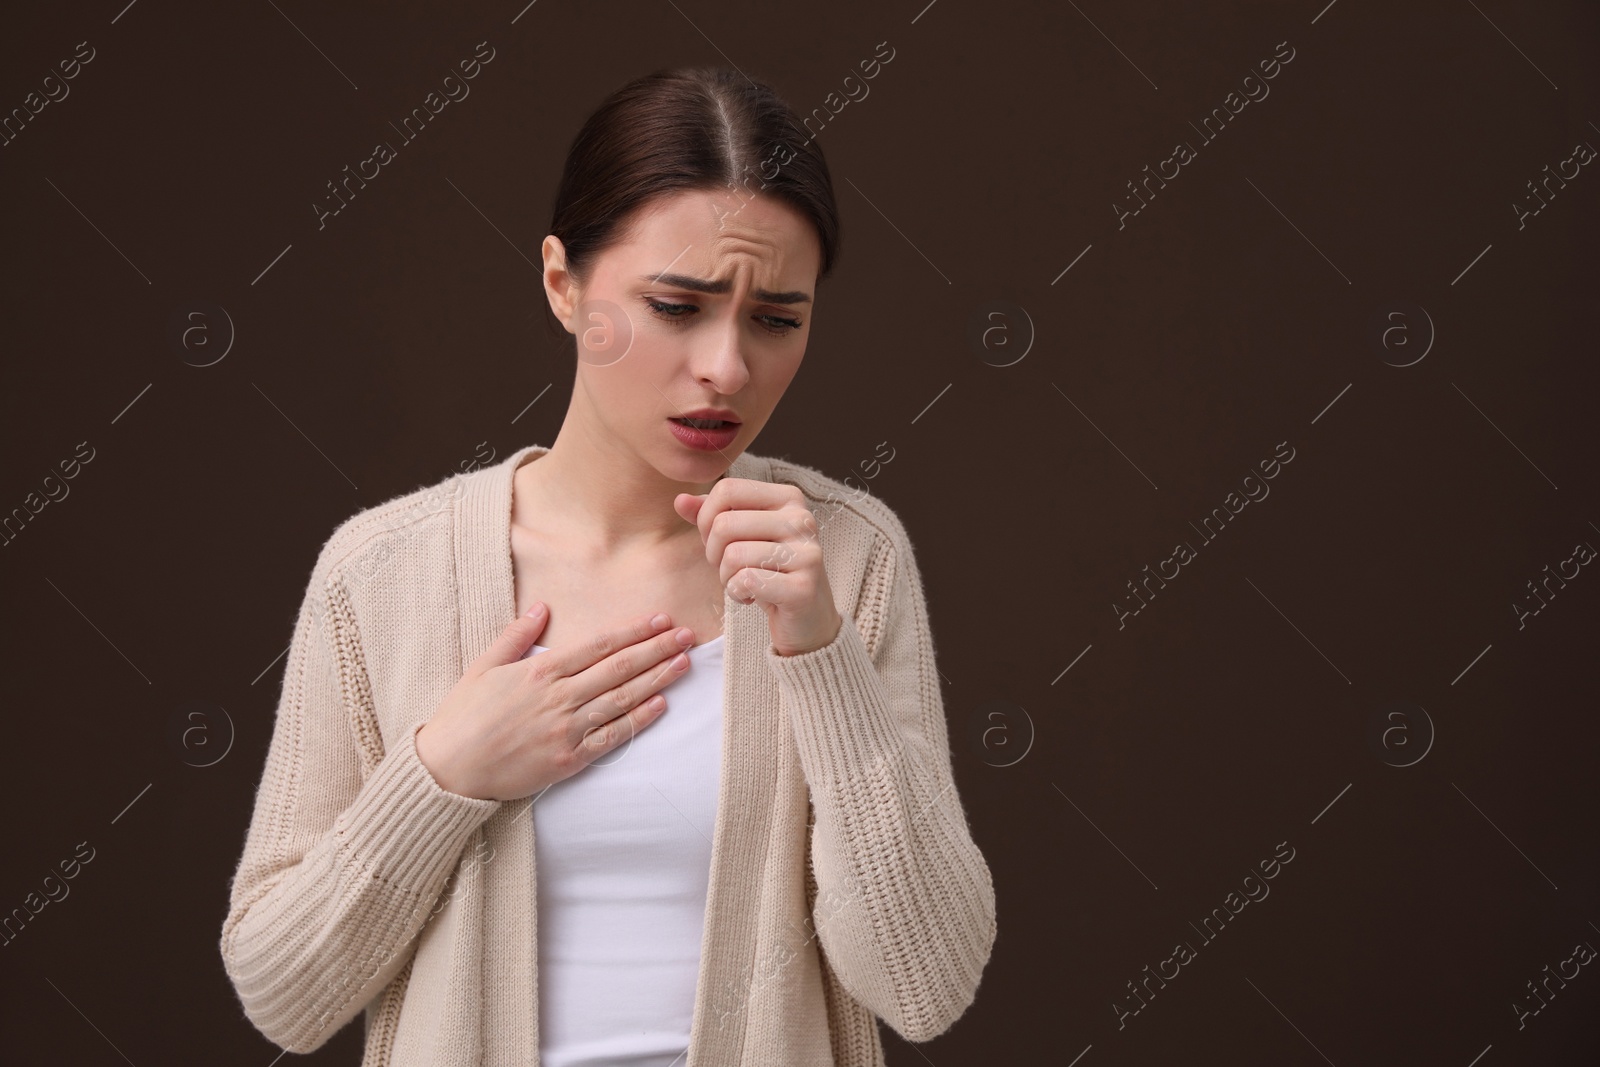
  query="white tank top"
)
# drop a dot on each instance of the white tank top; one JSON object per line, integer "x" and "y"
{"x": 623, "y": 850}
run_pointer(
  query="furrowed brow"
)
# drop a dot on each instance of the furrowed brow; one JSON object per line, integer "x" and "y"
{"x": 701, "y": 285}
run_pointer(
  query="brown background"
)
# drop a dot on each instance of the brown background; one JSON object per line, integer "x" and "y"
{"x": 1244, "y": 307}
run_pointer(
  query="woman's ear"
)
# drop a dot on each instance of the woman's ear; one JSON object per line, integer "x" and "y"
{"x": 559, "y": 286}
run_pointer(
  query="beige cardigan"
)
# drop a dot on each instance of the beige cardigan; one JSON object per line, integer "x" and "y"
{"x": 844, "y": 880}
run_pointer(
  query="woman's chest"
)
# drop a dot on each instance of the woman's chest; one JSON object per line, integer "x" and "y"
{"x": 586, "y": 599}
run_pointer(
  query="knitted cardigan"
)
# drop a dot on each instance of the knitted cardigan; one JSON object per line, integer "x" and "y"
{"x": 845, "y": 885}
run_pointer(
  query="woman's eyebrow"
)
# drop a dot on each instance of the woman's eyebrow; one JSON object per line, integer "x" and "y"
{"x": 700, "y": 285}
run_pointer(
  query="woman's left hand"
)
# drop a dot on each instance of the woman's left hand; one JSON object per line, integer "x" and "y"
{"x": 762, "y": 538}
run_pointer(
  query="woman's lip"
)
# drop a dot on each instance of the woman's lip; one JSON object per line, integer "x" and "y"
{"x": 704, "y": 440}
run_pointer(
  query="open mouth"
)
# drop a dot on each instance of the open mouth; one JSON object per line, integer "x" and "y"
{"x": 706, "y": 424}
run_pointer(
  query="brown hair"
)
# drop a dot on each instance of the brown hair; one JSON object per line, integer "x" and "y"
{"x": 685, "y": 129}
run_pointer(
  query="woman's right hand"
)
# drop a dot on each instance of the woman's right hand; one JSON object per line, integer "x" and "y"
{"x": 513, "y": 725}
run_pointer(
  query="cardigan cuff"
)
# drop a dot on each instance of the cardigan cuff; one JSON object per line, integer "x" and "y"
{"x": 404, "y": 827}
{"x": 840, "y": 714}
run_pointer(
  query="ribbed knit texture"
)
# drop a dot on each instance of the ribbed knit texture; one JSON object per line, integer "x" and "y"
{"x": 845, "y": 884}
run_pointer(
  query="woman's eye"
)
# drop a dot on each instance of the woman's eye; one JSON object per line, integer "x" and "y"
{"x": 677, "y": 314}
{"x": 668, "y": 311}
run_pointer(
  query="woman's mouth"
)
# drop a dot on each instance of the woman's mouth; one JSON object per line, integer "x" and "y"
{"x": 707, "y": 435}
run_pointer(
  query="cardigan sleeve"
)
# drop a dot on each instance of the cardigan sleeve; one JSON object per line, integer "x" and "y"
{"x": 345, "y": 856}
{"x": 905, "y": 907}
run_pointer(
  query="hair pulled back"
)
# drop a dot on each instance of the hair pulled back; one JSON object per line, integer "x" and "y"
{"x": 688, "y": 128}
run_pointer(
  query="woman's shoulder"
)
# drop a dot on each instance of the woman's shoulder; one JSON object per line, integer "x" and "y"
{"x": 412, "y": 518}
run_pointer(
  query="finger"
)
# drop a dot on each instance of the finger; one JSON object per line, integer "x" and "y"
{"x": 687, "y": 505}
{"x": 514, "y": 641}
{"x": 612, "y": 734}
{"x": 765, "y": 555}
{"x": 795, "y": 524}
{"x": 740, "y": 494}
{"x": 778, "y": 588}
{"x": 637, "y": 689}
{"x": 609, "y": 678}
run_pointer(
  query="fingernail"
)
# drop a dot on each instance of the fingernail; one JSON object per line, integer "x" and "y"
{"x": 537, "y": 607}
{"x": 686, "y": 636}
{"x": 659, "y": 621}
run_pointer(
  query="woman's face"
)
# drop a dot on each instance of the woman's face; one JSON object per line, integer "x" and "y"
{"x": 706, "y": 304}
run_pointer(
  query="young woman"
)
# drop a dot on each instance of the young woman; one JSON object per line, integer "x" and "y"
{"x": 628, "y": 750}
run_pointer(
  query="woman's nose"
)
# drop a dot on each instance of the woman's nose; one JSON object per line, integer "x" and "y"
{"x": 722, "y": 362}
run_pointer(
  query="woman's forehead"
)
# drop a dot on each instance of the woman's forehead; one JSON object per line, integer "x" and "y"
{"x": 759, "y": 242}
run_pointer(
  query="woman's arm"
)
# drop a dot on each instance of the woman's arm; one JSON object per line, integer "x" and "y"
{"x": 909, "y": 915}
{"x": 341, "y": 866}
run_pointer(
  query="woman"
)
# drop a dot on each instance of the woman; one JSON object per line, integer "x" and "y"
{"x": 693, "y": 802}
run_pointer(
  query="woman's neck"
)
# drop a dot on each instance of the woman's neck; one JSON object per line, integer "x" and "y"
{"x": 602, "y": 501}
